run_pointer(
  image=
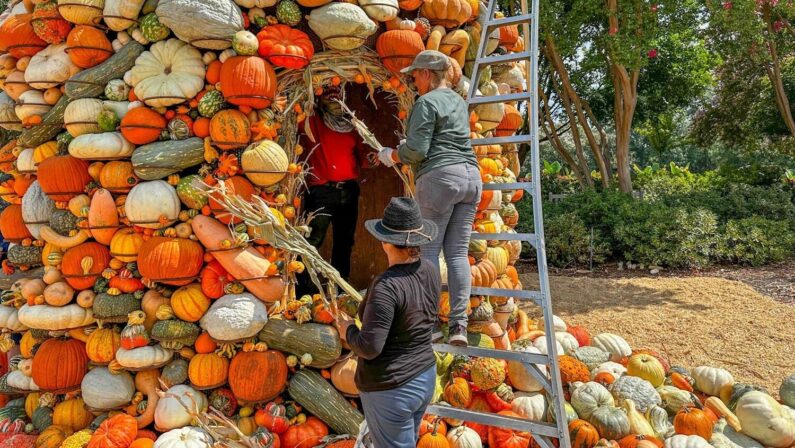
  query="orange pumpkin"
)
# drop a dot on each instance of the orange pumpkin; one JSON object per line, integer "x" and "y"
{"x": 12, "y": 226}
{"x": 435, "y": 438}
{"x": 258, "y": 376}
{"x": 511, "y": 122}
{"x": 572, "y": 370}
{"x": 142, "y": 125}
{"x": 691, "y": 421}
{"x": 632, "y": 441}
{"x": 305, "y": 435}
{"x": 18, "y": 38}
{"x": 579, "y": 333}
{"x": 508, "y": 438}
{"x": 509, "y": 35}
{"x": 458, "y": 393}
{"x": 207, "y": 371}
{"x": 582, "y": 434}
{"x": 60, "y": 364}
{"x": 447, "y": 13}
{"x": 397, "y": 48}
{"x": 63, "y": 177}
{"x": 484, "y": 273}
{"x": 82, "y": 264}
{"x": 172, "y": 261}
{"x": 284, "y": 46}
{"x": 205, "y": 344}
{"x": 237, "y": 185}
{"x": 117, "y": 176}
{"x": 248, "y": 81}
{"x": 409, "y": 5}
{"x": 230, "y": 129}
{"x": 118, "y": 431}
{"x": 88, "y": 46}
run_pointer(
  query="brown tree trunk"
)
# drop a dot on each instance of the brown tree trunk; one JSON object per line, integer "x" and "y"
{"x": 575, "y": 133}
{"x": 554, "y": 139}
{"x": 625, "y": 98}
{"x": 774, "y": 74}
{"x": 550, "y": 51}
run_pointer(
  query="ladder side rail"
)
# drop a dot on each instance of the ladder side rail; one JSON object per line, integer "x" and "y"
{"x": 473, "y": 83}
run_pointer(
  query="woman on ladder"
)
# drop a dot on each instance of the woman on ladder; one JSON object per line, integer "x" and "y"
{"x": 448, "y": 184}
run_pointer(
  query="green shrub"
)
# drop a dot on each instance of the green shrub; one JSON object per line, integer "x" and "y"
{"x": 568, "y": 242}
{"x": 757, "y": 241}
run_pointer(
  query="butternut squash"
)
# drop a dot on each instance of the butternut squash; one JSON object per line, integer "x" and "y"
{"x": 435, "y": 39}
{"x": 244, "y": 263}
{"x": 103, "y": 217}
{"x": 721, "y": 410}
{"x": 64, "y": 242}
{"x": 146, "y": 383}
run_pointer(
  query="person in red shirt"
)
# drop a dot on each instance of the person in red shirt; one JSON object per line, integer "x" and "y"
{"x": 335, "y": 152}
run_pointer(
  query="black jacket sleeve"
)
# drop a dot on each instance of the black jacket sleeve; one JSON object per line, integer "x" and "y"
{"x": 379, "y": 311}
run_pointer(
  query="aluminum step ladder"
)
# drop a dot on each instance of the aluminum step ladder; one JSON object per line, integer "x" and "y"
{"x": 543, "y": 432}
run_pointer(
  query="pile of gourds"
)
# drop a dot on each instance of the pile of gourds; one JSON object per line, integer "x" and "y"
{"x": 615, "y": 397}
{"x": 156, "y": 305}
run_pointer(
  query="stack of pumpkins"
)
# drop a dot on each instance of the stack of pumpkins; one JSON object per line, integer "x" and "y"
{"x": 615, "y": 397}
{"x": 156, "y": 304}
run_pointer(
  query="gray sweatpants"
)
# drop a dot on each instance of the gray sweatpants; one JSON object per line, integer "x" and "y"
{"x": 449, "y": 196}
{"x": 394, "y": 416}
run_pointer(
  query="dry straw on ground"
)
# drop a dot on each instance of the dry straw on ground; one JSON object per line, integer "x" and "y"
{"x": 693, "y": 321}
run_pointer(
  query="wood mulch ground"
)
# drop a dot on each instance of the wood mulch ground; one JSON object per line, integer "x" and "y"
{"x": 695, "y": 320}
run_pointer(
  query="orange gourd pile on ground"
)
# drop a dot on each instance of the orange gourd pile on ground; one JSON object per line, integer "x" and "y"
{"x": 161, "y": 320}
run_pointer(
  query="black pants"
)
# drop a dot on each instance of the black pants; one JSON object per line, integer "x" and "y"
{"x": 336, "y": 205}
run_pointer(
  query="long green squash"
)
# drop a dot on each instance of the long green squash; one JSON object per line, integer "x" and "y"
{"x": 162, "y": 159}
{"x": 91, "y": 83}
{"x": 314, "y": 393}
{"x": 320, "y": 341}
{"x": 50, "y": 126}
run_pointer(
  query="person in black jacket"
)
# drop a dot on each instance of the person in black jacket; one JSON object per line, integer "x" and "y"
{"x": 396, "y": 373}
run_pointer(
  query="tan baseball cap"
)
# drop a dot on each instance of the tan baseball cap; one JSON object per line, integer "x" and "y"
{"x": 428, "y": 59}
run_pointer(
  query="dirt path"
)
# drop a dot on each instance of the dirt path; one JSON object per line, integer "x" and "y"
{"x": 694, "y": 320}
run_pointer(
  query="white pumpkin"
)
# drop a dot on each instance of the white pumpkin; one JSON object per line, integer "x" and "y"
{"x": 121, "y": 14}
{"x": 520, "y": 377}
{"x": 18, "y": 380}
{"x": 36, "y": 209}
{"x": 80, "y": 116}
{"x": 711, "y": 380}
{"x": 567, "y": 341}
{"x": 380, "y": 10}
{"x": 31, "y": 103}
{"x": 50, "y": 67}
{"x": 532, "y": 406}
{"x": 234, "y": 317}
{"x": 147, "y": 202}
{"x": 81, "y": 12}
{"x": 557, "y": 321}
{"x": 187, "y": 437}
{"x": 588, "y": 397}
{"x": 143, "y": 357}
{"x": 764, "y": 419}
{"x": 102, "y": 390}
{"x": 724, "y": 436}
{"x": 682, "y": 441}
{"x": 541, "y": 344}
{"x": 105, "y": 146}
{"x": 46, "y": 317}
{"x": 9, "y": 319}
{"x": 613, "y": 344}
{"x": 613, "y": 368}
{"x": 8, "y": 116}
{"x": 341, "y": 26}
{"x": 490, "y": 115}
{"x": 463, "y": 437}
{"x": 170, "y": 72}
{"x": 26, "y": 164}
{"x": 204, "y": 23}
{"x": 120, "y": 108}
{"x": 170, "y": 412}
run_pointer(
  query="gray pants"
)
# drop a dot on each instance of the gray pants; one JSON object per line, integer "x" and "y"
{"x": 394, "y": 416}
{"x": 449, "y": 196}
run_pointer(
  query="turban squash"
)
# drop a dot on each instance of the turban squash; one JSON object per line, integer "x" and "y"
{"x": 284, "y": 46}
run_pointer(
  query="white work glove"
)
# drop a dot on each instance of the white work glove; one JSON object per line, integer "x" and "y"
{"x": 385, "y": 157}
{"x": 402, "y": 142}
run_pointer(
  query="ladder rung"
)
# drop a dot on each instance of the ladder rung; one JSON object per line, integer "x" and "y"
{"x": 506, "y": 140}
{"x": 515, "y": 293}
{"x": 529, "y": 237}
{"x": 505, "y": 21}
{"x": 503, "y": 58}
{"x": 508, "y": 97}
{"x": 517, "y": 424}
{"x": 508, "y": 355}
{"x": 526, "y": 186}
